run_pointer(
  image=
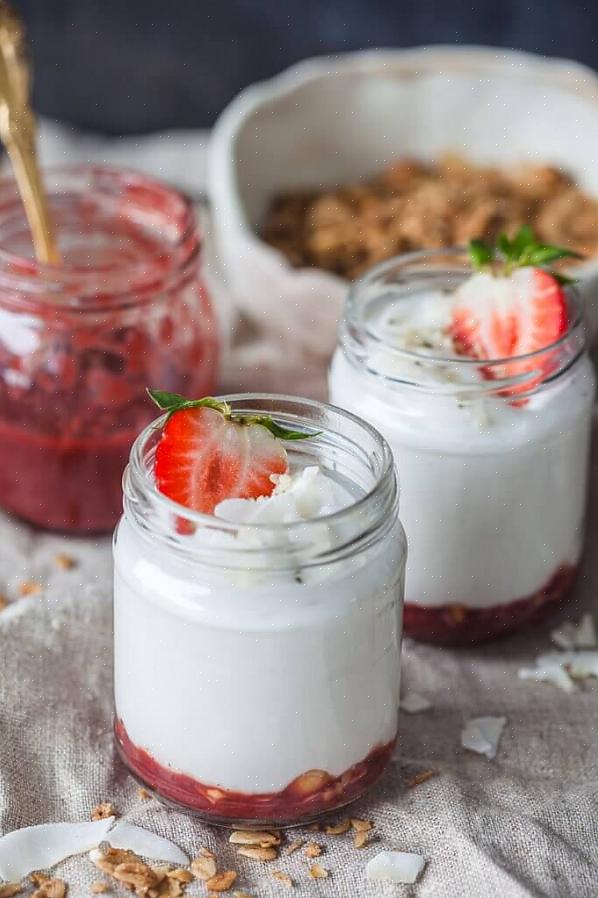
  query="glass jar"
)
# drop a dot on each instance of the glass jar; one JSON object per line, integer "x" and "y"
{"x": 257, "y": 666}
{"x": 80, "y": 342}
{"x": 493, "y": 468}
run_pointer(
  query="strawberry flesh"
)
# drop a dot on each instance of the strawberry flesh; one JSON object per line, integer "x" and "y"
{"x": 500, "y": 317}
{"x": 203, "y": 458}
{"x": 484, "y": 319}
{"x": 542, "y": 310}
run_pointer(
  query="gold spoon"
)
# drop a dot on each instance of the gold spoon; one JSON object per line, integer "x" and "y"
{"x": 17, "y": 132}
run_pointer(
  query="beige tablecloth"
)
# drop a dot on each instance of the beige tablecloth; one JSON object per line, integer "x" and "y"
{"x": 525, "y": 824}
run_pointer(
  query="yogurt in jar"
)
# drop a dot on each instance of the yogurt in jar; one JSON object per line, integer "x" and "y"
{"x": 257, "y": 650}
{"x": 493, "y": 459}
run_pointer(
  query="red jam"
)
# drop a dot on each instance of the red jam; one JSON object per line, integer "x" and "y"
{"x": 461, "y": 625}
{"x": 80, "y": 343}
{"x": 313, "y": 793}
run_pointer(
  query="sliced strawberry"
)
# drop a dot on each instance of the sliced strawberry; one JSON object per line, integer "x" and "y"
{"x": 204, "y": 457}
{"x": 504, "y": 317}
{"x": 541, "y": 310}
{"x": 483, "y": 324}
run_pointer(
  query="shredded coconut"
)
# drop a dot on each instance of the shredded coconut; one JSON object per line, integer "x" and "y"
{"x": 395, "y": 866}
{"x": 40, "y": 847}
{"x": 412, "y": 702}
{"x": 581, "y": 635}
{"x": 482, "y": 735}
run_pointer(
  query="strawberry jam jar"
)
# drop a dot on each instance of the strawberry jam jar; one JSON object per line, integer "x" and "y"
{"x": 493, "y": 458}
{"x": 257, "y": 664}
{"x": 80, "y": 342}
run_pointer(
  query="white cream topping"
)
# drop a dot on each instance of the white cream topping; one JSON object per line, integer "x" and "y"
{"x": 306, "y": 495}
{"x": 302, "y": 496}
{"x": 421, "y": 325}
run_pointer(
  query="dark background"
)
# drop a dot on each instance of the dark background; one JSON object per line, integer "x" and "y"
{"x": 124, "y": 66}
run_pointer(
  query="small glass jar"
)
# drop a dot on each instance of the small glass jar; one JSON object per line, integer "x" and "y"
{"x": 257, "y": 666}
{"x": 80, "y": 342}
{"x": 493, "y": 468}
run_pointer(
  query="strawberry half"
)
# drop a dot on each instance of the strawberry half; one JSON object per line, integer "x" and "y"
{"x": 484, "y": 324}
{"x": 542, "y": 312}
{"x": 511, "y": 310}
{"x": 206, "y": 454}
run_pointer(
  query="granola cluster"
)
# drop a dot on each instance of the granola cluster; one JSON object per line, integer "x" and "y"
{"x": 143, "y": 879}
{"x": 415, "y": 205}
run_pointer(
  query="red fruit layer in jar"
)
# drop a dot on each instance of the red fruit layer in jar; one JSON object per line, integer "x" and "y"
{"x": 313, "y": 793}
{"x": 461, "y": 625}
{"x": 80, "y": 342}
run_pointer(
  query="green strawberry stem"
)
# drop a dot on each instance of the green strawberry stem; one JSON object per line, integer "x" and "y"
{"x": 522, "y": 250}
{"x": 173, "y": 402}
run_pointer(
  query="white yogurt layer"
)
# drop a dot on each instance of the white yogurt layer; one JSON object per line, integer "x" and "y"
{"x": 246, "y": 683}
{"x": 492, "y": 494}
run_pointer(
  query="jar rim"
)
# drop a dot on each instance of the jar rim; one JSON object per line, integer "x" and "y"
{"x": 75, "y": 285}
{"x": 370, "y": 510}
{"x": 355, "y": 333}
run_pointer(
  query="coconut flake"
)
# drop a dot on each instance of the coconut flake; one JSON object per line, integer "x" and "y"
{"x": 583, "y": 664}
{"x": 395, "y": 866}
{"x": 560, "y": 667}
{"x": 31, "y": 848}
{"x": 412, "y": 702}
{"x": 547, "y": 671}
{"x": 482, "y": 735}
{"x": 147, "y": 844}
{"x": 576, "y": 636}
{"x": 580, "y": 665}
{"x": 301, "y": 496}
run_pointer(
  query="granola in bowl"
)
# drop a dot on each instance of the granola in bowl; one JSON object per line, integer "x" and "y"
{"x": 414, "y": 205}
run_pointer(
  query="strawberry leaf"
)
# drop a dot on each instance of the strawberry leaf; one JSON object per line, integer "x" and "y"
{"x": 519, "y": 252}
{"x": 480, "y": 253}
{"x": 561, "y": 278}
{"x": 523, "y": 240}
{"x": 505, "y": 247}
{"x": 543, "y": 255}
{"x": 281, "y": 433}
{"x": 173, "y": 402}
{"x": 165, "y": 400}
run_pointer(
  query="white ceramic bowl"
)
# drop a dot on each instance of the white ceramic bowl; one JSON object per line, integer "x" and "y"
{"x": 334, "y": 120}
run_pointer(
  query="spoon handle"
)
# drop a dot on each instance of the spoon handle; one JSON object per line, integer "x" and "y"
{"x": 17, "y": 132}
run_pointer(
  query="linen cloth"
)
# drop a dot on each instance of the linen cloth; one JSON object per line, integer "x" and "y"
{"x": 522, "y": 826}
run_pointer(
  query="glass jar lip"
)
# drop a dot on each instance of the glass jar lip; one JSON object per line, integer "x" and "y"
{"x": 47, "y": 283}
{"x": 138, "y": 472}
{"x": 351, "y": 318}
